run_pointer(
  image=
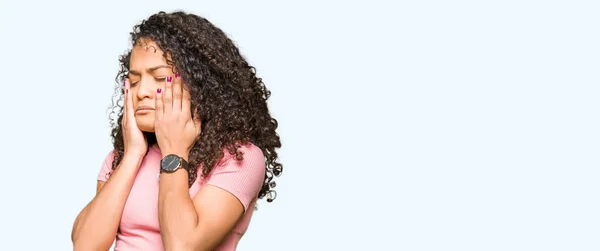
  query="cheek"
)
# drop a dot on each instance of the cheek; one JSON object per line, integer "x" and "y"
{"x": 134, "y": 98}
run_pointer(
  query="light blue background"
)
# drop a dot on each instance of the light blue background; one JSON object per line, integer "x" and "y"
{"x": 406, "y": 125}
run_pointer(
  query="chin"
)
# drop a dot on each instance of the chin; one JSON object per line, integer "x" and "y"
{"x": 148, "y": 129}
{"x": 145, "y": 124}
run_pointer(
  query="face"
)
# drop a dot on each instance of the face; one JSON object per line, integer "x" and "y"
{"x": 148, "y": 70}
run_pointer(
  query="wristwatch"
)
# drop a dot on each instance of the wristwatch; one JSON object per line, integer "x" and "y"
{"x": 172, "y": 163}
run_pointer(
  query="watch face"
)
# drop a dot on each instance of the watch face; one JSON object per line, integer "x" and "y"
{"x": 170, "y": 163}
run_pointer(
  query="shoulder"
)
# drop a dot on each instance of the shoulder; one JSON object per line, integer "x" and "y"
{"x": 241, "y": 177}
{"x": 110, "y": 156}
{"x": 252, "y": 159}
{"x": 106, "y": 168}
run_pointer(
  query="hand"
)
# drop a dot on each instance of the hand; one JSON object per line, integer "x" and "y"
{"x": 136, "y": 145}
{"x": 175, "y": 128}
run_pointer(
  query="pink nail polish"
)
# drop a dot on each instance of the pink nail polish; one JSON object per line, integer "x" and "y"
{"x": 158, "y": 90}
{"x": 169, "y": 79}
{"x": 177, "y": 75}
{"x": 127, "y": 91}
{"x": 124, "y": 82}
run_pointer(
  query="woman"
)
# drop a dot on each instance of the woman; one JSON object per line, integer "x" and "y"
{"x": 194, "y": 144}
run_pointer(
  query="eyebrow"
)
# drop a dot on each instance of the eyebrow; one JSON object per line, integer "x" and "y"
{"x": 149, "y": 70}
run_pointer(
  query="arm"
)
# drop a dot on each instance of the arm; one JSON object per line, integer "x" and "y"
{"x": 96, "y": 225}
{"x": 203, "y": 222}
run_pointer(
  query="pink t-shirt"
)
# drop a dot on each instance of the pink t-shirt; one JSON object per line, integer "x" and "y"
{"x": 139, "y": 229}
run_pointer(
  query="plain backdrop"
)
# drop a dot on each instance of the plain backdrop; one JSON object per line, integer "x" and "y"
{"x": 406, "y": 125}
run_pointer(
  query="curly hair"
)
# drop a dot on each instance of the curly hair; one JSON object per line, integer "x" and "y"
{"x": 225, "y": 93}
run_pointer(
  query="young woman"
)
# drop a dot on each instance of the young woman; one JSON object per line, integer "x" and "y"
{"x": 194, "y": 144}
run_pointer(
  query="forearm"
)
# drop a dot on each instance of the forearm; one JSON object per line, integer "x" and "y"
{"x": 177, "y": 215}
{"x": 97, "y": 224}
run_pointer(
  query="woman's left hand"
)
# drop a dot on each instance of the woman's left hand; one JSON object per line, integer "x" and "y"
{"x": 175, "y": 128}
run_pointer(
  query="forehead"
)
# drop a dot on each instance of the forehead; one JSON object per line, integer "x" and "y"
{"x": 145, "y": 54}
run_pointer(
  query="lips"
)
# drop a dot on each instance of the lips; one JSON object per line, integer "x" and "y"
{"x": 144, "y": 108}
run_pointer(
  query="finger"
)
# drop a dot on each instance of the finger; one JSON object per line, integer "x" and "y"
{"x": 128, "y": 111}
{"x": 158, "y": 105}
{"x": 167, "y": 96}
{"x": 124, "y": 114}
{"x": 177, "y": 93}
{"x": 186, "y": 102}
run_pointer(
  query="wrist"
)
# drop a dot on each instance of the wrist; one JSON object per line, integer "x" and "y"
{"x": 135, "y": 153}
{"x": 182, "y": 154}
{"x": 172, "y": 162}
{"x": 133, "y": 159}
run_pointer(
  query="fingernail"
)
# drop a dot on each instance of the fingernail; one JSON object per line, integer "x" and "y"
{"x": 158, "y": 90}
{"x": 127, "y": 91}
{"x": 169, "y": 79}
{"x": 177, "y": 75}
{"x": 124, "y": 82}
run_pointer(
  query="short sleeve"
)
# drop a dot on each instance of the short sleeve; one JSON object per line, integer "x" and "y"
{"x": 242, "y": 178}
{"x": 106, "y": 168}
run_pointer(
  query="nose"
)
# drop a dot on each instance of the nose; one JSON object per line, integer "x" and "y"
{"x": 146, "y": 88}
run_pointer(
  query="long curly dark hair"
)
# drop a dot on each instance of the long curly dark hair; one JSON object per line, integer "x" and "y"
{"x": 227, "y": 95}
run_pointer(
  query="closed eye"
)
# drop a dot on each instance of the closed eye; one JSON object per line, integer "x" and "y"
{"x": 132, "y": 84}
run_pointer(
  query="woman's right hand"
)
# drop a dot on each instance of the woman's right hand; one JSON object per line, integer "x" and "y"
{"x": 136, "y": 145}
